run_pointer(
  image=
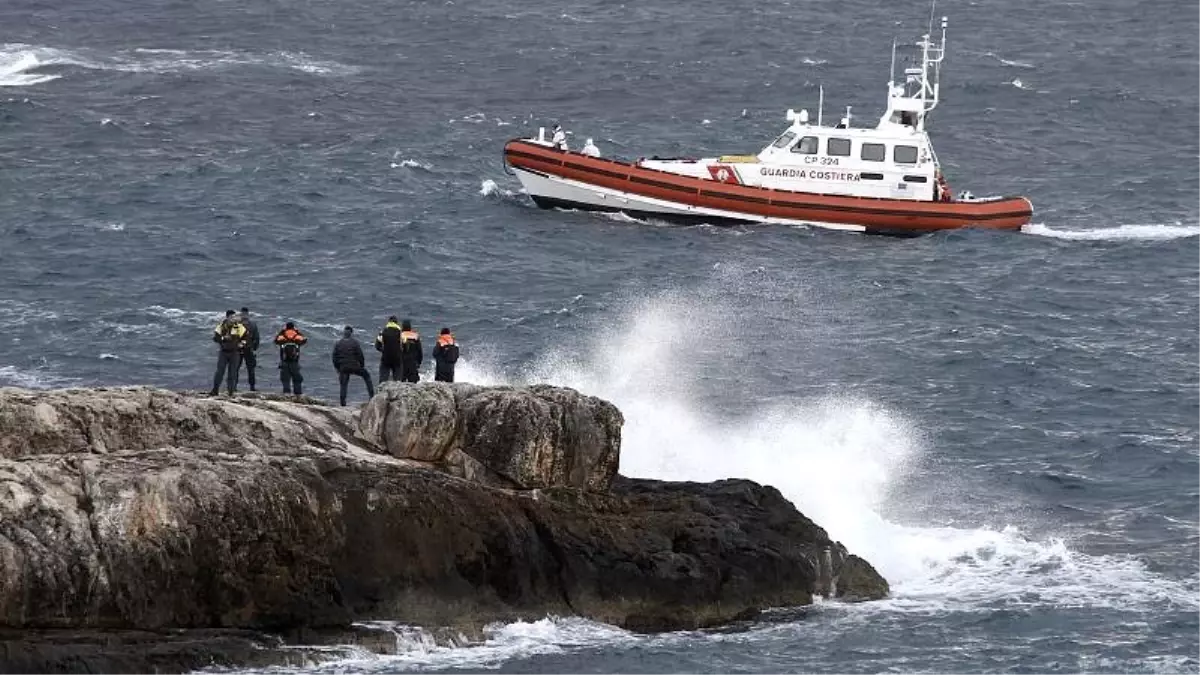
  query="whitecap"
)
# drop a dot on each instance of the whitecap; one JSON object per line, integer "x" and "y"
{"x": 1151, "y": 232}
{"x": 1011, "y": 63}
{"x": 16, "y": 66}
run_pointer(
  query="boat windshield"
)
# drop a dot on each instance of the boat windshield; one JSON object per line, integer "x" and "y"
{"x": 783, "y": 140}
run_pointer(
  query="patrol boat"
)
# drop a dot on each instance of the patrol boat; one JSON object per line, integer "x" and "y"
{"x": 884, "y": 179}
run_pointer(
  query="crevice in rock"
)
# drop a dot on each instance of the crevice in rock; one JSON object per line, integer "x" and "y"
{"x": 546, "y": 538}
{"x": 88, "y": 506}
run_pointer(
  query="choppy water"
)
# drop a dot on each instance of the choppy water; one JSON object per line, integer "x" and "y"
{"x": 1005, "y": 424}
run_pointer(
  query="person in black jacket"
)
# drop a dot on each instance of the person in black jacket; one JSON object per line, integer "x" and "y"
{"x": 387, "y": 343}
{"x": 249, "y": 351}
{"x": 348, "y": 360}
{"x": 445, "y": 355}
{"x": 410, "y": 353}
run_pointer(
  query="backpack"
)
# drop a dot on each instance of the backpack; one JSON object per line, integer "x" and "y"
{"x": 229, "y": 338}
{"x": 290, "y": 351}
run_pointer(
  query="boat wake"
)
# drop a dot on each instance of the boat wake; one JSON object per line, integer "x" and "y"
{"x": 1158, "y": 232}
{"x": 25, "y": 65}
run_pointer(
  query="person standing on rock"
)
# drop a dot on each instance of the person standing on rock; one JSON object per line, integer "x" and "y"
{"x": 290, "y": 340}
{"x": 250, "y": 350}
{"x": 387, "y": 343}
{"x": 445, "y": 355}
{"x": 348, "y": 360}
{"x": 410, "y": 353}
{"x": 230, "y": 336}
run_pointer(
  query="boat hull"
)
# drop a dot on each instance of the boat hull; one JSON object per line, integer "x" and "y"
{"x": 558, "y": 178}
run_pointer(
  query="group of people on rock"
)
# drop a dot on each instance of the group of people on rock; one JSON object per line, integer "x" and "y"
{"x": 399, "y": 347}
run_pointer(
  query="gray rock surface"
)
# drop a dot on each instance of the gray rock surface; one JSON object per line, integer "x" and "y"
{"x": 531, "y": 437}
{"x": 146, "y": 510}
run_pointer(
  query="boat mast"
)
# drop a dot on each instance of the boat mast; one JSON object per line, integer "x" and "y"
{"x": 820, "y": 104}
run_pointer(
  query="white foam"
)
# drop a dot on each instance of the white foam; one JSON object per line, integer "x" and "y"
{"x": 12, "y": 376}
{"x": 1017, "y": 83}
{"x": 411, "y": 164}
{"x": 17, "y": 60}
{"x": 489, "y": 188}
{"x": 813, "y": 62}
{"x": 16, "y": 66}
{"x": 1145, "y": 232}
{"x": 1011, "y": 63}
{"x": 418, "y": 650}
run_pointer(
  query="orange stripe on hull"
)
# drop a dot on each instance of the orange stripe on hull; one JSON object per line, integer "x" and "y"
{"x": 875, "y": 214}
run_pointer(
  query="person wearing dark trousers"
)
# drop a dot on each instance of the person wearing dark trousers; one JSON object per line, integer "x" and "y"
{"x": 230, "y": 336}
{"x": 445, "y": 355}
{"x": 387, "y": 343}
{"x": 348, "y": 360}
{"x": 289, "y": 341}
{"x": 250, "y": 351}
{"x": 410, "y": 353}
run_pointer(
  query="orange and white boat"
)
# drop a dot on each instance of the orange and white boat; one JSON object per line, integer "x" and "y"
{"x": 884, "y": 179}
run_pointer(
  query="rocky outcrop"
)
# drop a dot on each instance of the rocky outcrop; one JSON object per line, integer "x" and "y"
{"x": 540, "y": 437}
{"x": 441, "y": 505}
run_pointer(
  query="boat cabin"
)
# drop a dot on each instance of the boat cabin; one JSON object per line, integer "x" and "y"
{"x": 895, "y": 163}
{"x": 892, "y": 160}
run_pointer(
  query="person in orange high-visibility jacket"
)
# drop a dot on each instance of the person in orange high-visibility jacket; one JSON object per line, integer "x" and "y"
{"x": 410, "y": 353}
{"x": 290, "y": 340}
{"x": 445, "y": 355}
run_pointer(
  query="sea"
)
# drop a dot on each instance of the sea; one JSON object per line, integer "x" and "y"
{"x": 1004, "y": 423}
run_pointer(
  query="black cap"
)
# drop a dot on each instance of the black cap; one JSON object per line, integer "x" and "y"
{"x": 407, "y": 325}
{"x": 393, "y": 318}
{"x": 245, "y": 310}
{"x": 445, "y": 331}
{"x": 229, "y": 312}
{"x": 289, "y": 325}
{"x": 347, "y": 330}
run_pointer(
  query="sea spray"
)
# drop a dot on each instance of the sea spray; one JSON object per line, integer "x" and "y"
{"x": 837, "y": 456}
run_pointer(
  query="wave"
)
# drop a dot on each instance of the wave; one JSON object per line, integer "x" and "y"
{"x": 23, "y": 65}
{"x": 1159, "y": 232}
{"x": 837, "y": 457}
{"x": 16, "y": 67}
{"x": 489, "y": 188}
{"x": 417, "y": 649}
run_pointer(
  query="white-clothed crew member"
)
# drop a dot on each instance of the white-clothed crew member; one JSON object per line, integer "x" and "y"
{"x": 559, "y": 140}
{"x": 590, "y": 149}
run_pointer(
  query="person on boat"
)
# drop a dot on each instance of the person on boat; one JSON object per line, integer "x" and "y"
{"x": 250, "y": 351}
{"x": 943, "y": 189}
{"x": 230, "y": 336}
{"x": 559, "y": 139}
{"x": 590, "y": 149}
{"x": 348, "y": 360}
{"x": 445, "y": 355}
{"x": 387, "y": 343}
{"x": 410, "y": 353}
{"x": 290, "y": 340}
